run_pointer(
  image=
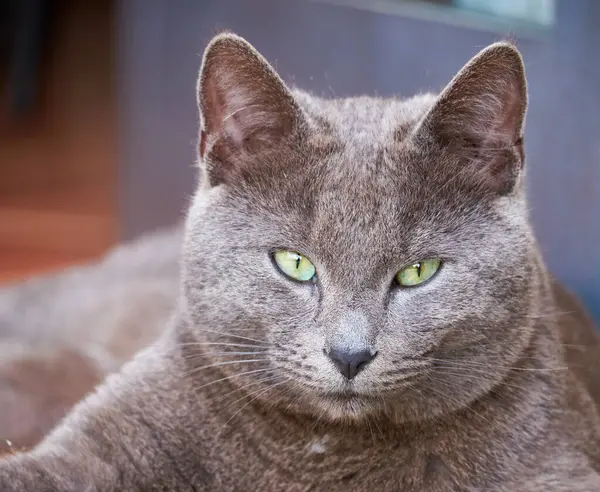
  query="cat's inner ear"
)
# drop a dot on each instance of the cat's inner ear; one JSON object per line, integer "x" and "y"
{"x": 245, "y": 107}
{"x": 480, "y": 116}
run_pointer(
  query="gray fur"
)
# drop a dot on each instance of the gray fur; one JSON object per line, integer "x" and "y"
{"x": 485, "y": 375}
{"x": 63, "y": 333}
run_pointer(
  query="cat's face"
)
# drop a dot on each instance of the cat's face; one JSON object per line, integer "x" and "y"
{"x": 359, "y": 191}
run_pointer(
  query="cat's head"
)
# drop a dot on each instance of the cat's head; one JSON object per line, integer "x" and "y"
{"x": 357, "y": 256}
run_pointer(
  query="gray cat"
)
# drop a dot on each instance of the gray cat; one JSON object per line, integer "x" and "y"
{"x": 363, "y": 307}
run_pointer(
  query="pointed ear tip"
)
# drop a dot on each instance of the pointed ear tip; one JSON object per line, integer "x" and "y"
{"x": 506, "y": 44}
{"x": 506, "y": 50}
{"x": 505, "y": 56}
{"x": 224, "y": 42}
{"x": 225, "y": 38}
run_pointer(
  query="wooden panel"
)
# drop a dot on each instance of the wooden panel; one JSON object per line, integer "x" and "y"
{"x": 58, "y": 168}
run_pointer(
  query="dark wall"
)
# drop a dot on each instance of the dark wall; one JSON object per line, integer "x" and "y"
{"x": 342, "y": 51}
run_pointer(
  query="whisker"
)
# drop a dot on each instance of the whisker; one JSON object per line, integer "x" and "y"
{"x": 533, "y": 343}
{"x": 218, "y": 354}
{"x": 469, "y": 376}
{"x": 251, "y": 393}
{"x": 223, "y": 363}
{"x": 381, "y": 434}
{"x": 468, "y": 407}
{"x": 475, "y": 365}
{"x": 226, "y": 334}
{"x": 241, "y": 388}
{"x": 317, "y": 420}
{"x": 250, "y": 401}
{"x": 225, "y": 344}
{"x": 255, "y": 371}
{"x": 296, "y": 399}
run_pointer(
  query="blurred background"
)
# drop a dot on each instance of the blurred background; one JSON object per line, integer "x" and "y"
{"x": 98, "y": 119}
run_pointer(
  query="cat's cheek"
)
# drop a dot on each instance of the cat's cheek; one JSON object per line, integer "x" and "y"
{"x": 293, "y": 312}
{"x": 302, "y": 295}
{"x": 416, "y": 322}
{"x": 289, "y": 306}
{"x": 452, "y": 296}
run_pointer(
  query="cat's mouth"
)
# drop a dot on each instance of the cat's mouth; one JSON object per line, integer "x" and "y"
{"x": 347, "y": 394}
{"x": 347, "y": 404}
{"x": 346, "y": 397}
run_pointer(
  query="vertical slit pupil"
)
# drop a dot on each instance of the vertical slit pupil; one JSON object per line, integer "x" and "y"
{"x": 298, "y": 258}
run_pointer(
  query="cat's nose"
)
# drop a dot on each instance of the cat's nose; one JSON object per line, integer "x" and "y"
{"x": 350, "y": 363}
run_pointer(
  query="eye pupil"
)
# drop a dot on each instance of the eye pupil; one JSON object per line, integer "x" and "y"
{"x": 294, "y": 265}
{"x": 417, "y": 273}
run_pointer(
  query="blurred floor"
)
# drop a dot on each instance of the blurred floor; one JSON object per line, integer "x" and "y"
{"x": 58, "y": 168}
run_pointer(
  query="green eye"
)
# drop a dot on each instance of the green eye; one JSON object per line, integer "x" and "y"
{"x": 417, "y": 273}
{"x": 294, "y": 265}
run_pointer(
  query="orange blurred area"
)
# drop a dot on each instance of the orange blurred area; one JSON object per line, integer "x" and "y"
{"x": 58, "y": 165}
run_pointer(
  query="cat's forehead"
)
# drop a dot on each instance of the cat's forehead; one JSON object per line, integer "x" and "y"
{"x": 357, "y": 181}
{"x": 369, "y": 160}
{"x": 364, "y": 177}
{"x": 364, "y": 120}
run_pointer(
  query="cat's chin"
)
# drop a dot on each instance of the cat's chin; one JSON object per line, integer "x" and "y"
{"x": 347, "y": 408}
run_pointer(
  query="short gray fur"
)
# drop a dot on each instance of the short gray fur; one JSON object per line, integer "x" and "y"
{"x": 485, "y": 376}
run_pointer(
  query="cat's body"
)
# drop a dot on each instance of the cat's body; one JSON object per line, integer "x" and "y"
{"x": 483, "y": 378}
{"x": 61, "y": 334}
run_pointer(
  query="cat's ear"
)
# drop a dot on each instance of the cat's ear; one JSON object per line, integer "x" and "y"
{"x": 245, "y": 107}
{"x": 480, "y": 116}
